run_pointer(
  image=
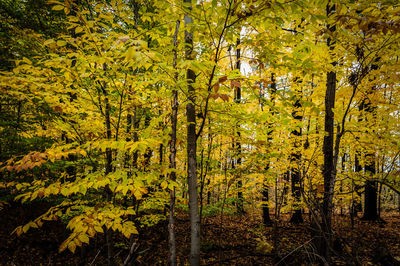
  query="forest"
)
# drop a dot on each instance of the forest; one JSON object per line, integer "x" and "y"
{"x": 208, "y": 132}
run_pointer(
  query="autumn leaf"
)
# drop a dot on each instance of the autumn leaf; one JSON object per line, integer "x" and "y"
{"x": 222, "y": 79}
{"x": 235, "y": 83}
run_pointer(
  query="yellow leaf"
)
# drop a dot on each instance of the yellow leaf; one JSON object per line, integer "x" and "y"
{"x": 114, "y": 227}
{"x": 108, "y": 225}
{"x": 137, "y": 194}
{"x": 17, "y": 230}
{"x": 143, "y": 190}
{"x": 125, "y": 190}
{"x": 98, "y": 229}
{"x": 34, "y": 195}
{"x": 32, "y": 224}
{"x": 64, "y": 191}
{"x": 78, "y": 29}
{"x": 57, "y": 7}
{"x": 26, "y": 228}
{"x": 63, "y": 246}
{"x": 91, "y": 232}
{"x": 164, "y": 184}
{"x": 126, "y": 233}
{"x": 72, "y": 246}
{"x": 130, "y": 53}
{"x": 133, "y": 230}
{"x": 77, "y": 242}
{"x": 147, "y": 65}
{"x": 83, "y": 153}
{"x": 84, "y": 238}
{"x": 26, "y": 60}
{"x": 61, "y": 43}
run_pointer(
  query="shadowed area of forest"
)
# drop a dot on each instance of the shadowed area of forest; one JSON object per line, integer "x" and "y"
{"x": 240, "y": 239}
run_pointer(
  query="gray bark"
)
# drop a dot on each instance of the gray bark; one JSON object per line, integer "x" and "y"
{"x": 192, "y": 148}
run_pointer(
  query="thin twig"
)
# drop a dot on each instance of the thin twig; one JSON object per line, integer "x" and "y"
{"x": 95, "y": 258}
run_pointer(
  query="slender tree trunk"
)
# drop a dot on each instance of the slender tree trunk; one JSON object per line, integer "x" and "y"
{"x": 238, "y": 148}
{"x": 371, "y": 187}
{"x": 380, "y": 199}
{"x": 356, "y": 205}
{"x": 206, "y": 169}
{"x": 135, "y": 122}
{"x": 398, "y": 199}
{"x": 134, "y": 119}
{"x": 148, "y": 153}
{"x": 192, "y": 147}
{"x": 172, "y": 160}
{"x": 297, "y": 216}
{"x": 329, "y": 170}
{"x": 265, "y": 190}
{"x": 285, "y": 192}
{"x": 343, "y": 169}
{"x": 357, "y": 168}
{"x": 108, "y": 167}
{"x": 71, "y": 169}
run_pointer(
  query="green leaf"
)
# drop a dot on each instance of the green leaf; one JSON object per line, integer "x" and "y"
{"x": 82, "y": 189}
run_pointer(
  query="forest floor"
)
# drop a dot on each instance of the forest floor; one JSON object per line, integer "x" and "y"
{"x": 241, "y": 240}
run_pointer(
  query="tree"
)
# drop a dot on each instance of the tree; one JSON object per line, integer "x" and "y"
{"x": 192, "y": 146}
{"x": 265, "y": 191}
{"x": 172, "y": 158}
{"x": 237, "y": 146}
{"x": 329, "y": 171}
{"x": 295, "y": 171}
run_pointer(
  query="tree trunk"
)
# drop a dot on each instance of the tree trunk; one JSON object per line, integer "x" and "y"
{"x": 265, "y": 190}
{"x": 148, "y": 153}
{"x": 295, "y": 159}
{"x": 191, "y": 148}
{"x": 398, "y": 198}
{"x": 238, "y": 148}
{"x": 172, "y": 159}
{"x": 329, "y": 170}
{"x": 206, "y": 169}
{"x": 370, "y": 193}
{"x": 370, "y": 201}
{"x": 108, "y": 167}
